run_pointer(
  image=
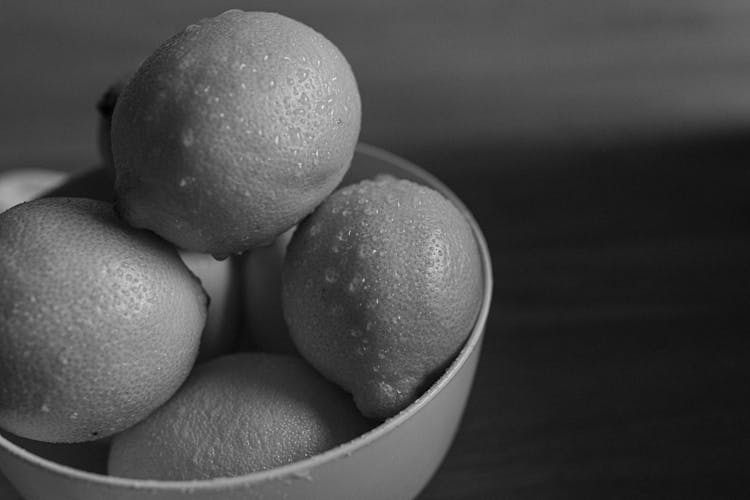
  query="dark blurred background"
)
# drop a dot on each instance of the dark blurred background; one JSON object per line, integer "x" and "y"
{"x": 604, "y": 148}
{"x": 482, "y": 74}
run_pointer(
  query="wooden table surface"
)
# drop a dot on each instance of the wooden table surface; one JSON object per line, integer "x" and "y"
{"x": 605, "y": 151}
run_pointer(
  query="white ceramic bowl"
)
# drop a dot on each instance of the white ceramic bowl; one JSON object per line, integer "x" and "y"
{"x": 392, "y": 461}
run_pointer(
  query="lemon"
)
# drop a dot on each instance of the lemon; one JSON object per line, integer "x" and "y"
{"x": 219, "y": 278}
{"x": 237, "y": 414}
{"x": 101, "y": 322}
{"x": 381, "y": 287}
{"x": 232, "y": 131}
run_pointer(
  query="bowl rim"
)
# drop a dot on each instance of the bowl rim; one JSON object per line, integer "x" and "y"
{"x": 302, "y": 468}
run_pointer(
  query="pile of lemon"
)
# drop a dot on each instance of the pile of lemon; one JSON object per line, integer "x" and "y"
{"x": 229, "y": 141}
